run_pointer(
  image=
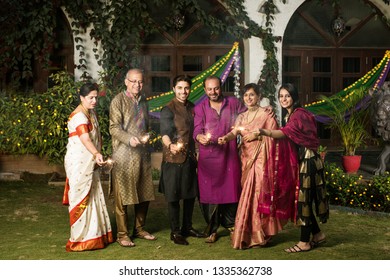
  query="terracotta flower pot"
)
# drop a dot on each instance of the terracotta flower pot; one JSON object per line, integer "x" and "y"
{"x": 322, "y": 155}
{"x": 351, "y": 164}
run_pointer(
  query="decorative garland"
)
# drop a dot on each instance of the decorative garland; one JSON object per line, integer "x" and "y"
{"x": 114, "y": 24}
{"x": 220, "y": 68}
{"x": 372, "y": 79}
{"x": 118, "y": 27}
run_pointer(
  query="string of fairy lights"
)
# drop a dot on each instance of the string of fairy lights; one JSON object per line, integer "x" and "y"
{"x": 372, "y": 79}
{"x": 220, "y": 68}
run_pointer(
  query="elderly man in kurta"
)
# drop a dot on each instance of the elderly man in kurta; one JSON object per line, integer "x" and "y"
{"x": 132, "y": 171}
{"x": 219, "y": 170}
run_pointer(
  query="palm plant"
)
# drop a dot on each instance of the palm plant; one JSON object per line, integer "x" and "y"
{"x": 348, "y": 115}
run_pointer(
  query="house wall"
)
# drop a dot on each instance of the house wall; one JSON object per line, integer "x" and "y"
{"x": 252, "y": 49}
{"x": 93, "y": 68}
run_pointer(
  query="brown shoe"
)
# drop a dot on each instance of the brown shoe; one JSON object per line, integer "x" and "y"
{"x": 212, "y": 238}
{"x": 193, "y": 233}
{"x": 179, "y": 239}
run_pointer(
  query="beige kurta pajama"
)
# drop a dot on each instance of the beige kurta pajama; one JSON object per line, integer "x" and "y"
{"x": 132, "y": 173}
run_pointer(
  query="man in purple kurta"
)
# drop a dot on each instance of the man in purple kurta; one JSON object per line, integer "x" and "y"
{"x": 219, "y": 170}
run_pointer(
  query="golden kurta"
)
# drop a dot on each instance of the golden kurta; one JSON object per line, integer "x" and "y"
{"x": 132, "y": 172}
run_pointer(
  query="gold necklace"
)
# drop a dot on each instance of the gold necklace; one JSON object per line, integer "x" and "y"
{"x": 247, "y": 117}
{"x": 85, "y": 111}
{"x": 254, "y": 108}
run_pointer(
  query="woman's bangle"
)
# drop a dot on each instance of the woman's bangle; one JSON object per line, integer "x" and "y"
{"x": 95, "y": 154}
{"x": 266, "y": 132}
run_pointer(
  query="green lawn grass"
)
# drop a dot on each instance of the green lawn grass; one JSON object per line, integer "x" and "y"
{"x": 35, "y": 226}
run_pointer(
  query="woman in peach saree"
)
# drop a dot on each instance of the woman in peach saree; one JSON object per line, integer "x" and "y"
{"x": 259, "y": 180}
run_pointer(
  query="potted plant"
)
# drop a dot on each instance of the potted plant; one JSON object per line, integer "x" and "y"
{"x": 347, "y": 115}
{"x": 322, "y": 152}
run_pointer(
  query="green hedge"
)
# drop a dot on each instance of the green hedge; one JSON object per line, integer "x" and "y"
{"x": 357, "y": 192}
{"x": 37, "y": 124}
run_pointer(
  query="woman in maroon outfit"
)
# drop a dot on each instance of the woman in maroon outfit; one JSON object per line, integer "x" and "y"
{"x": 300, "y": 128}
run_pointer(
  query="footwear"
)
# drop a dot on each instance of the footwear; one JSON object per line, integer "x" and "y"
{"x": 125, "y": 242}
{"x": 268, "y": 238}
{"x": 193, "y": 232}
{"x": 296, "y": 249}
{"x": 179, "y": 239}
{"x": 315, "y": 244}
{"x": 145, "y": 235}
{"x": 212, "y": 238}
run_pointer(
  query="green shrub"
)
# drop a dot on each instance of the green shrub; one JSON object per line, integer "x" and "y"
{"x": 155, "y": 174}
{"x": 354, "y": 191}
{"x": 37, "y": 124}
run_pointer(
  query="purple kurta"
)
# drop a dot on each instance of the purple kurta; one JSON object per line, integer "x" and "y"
{"x": 219, "y": 170}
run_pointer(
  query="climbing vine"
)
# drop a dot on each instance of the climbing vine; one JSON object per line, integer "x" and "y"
{"x": 269, "y": 74}
{"x": 118, "y": 29}
{"x": 26, "y": 33}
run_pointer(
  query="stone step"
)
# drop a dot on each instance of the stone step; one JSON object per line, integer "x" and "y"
{"x": 9, "y": 176}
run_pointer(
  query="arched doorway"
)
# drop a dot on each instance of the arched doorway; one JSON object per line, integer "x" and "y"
{"x": 321, "y": 61}
{"x": 188, "y": 47}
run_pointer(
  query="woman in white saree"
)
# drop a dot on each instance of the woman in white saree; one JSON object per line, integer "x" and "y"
{"x": 90, "y": 224}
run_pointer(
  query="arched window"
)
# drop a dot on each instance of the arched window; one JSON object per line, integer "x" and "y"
{"x": 188, "y": 47}
{"x": 321, "y": 59}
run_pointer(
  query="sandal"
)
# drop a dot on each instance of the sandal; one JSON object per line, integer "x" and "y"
{"x": 314, "y": 244}
{"x": 212, "y": 238}
{"x": 145, "y": 235}
{"x": 125, "y": 242}
{"x": 296, "y": 249}
{"x": 268, "y": 238}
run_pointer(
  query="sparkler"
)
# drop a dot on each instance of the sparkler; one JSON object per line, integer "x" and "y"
{"x": 108, "y": 165}
{"x": 179, "y": 145}
{"x": 145, "y": 138}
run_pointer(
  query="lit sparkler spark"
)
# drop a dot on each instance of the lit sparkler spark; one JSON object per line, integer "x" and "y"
{"x": 108, "y": 165}
{"x": 208, "y": 136}
{"x": 145, "y": 138}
